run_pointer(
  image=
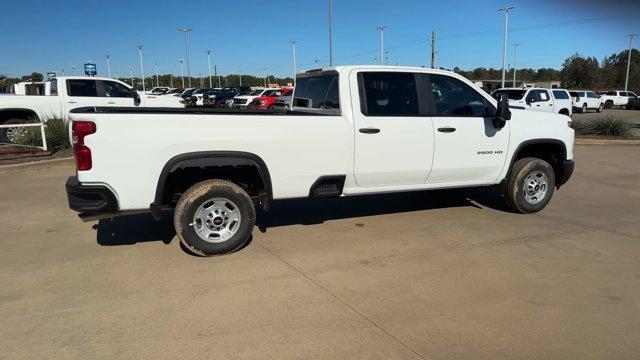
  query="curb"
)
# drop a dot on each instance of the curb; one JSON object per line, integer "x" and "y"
{"x": 34, "y": 164}
{"x": 606, "y": 142}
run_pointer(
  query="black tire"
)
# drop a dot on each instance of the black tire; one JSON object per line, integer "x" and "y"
{"x": 202, "y": 193}
{"x": 514, "y": 192}
{"x": 600, "y": 108}
{"x": 608, "y": 104}
{"x": 583, "y": 109}
{"x": 221, "y": 105}
{"x": 7, "y": 135}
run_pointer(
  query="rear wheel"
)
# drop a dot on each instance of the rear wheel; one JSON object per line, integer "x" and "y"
{"x": 530, "y": 185}
{"x": 608, "y": 104}
{"x": 214, "y": 217}
{"x": 584, "y": 108}
{"x": 600, "y": 108}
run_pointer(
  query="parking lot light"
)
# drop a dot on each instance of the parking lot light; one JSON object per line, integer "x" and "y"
{"x": 506, "y": 10}
{"x": 74, "y": 69}
{"x": 626, "y": 81}
{"x": 381, "y": 28}
{"x": 186, "y": 51}
{"x": 182, "y": 72}
{"x": 515, "y": 62}
{"x": 141, "y": 67}
{"x": 209, "y": 63}
{"x": 108, "y": 65}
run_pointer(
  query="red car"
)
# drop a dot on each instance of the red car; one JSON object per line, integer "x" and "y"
{"x": 267, "y": 102}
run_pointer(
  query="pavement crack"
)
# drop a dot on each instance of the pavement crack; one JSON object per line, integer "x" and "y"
{"x": 332, "y": 294}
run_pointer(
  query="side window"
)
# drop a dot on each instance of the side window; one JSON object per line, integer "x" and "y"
{"x": 560, "y": 95}
{"x": 544, "y": 95}
{"x": 533, "y": 96}
{"x": 116, "y": 90}
{"x": 452, "y": 97}
{"x": 389, "y": 94}
{"x": 592, "y": 95}
{"x": 82, "y": 88}
{"x": 319, "y": 93}
{"x": 54, "y": 86}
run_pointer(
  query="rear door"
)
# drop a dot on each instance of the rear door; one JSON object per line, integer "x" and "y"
{"x": 393, "y": 142}
{"x": 468, "y": 147}
{"x": 80, "y": 93}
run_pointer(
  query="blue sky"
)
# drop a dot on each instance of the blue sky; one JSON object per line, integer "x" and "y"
{"x": 250, "y": 35}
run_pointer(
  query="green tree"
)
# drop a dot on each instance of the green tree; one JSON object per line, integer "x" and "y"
{"x": 580, "y": 72}
{"x": 614, "y": 71}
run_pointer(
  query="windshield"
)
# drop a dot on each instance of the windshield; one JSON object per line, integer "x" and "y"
{"x": 511, "y": 94}
{"x": 256, "y": 92}
{"x": 188, "y": 92}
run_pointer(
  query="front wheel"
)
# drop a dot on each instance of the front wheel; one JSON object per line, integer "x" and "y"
{"x": 584, "y": 108}
{"x": 600, "y": 108}
{"x": 530, "y": 185}
{"x": 214, "y": 217}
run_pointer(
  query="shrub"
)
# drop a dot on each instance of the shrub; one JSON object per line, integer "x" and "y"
{"x": 56, "y": 131}
{"x": 608, "y": 126}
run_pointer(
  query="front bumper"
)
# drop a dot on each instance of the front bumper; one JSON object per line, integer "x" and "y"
{"x": 90, "y": 199}
{"x": 565, "y": 172}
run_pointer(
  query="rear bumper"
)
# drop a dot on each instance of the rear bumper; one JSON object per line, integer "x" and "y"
{"x": 565, "y": 173}
{"x": 90, "y": 199}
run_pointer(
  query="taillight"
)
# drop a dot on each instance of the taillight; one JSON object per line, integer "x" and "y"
{"x": 82, "y": 153}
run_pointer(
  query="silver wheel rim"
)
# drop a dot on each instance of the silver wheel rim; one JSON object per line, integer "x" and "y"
{"x": 13, "y": 133}
{"x": 216, "y": 220}
{"x": 535, "y": 187}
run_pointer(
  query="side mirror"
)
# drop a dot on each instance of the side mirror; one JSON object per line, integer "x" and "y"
{"x": 136, "y": 97}
{"x": 528, "y": 100}
{"x": 503, "y": 113}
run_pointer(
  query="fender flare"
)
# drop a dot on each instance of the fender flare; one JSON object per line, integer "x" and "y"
{"x": 210, "y": 158}
{"x": 31, "y": 112}
{"x": 526, "y": 143}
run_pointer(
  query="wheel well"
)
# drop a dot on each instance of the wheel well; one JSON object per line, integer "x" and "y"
{"x": 564, "y": 112}
{"x": 25, "y": 114}
{"x": 551, "y": 151}
{"x": 243, "y": 169}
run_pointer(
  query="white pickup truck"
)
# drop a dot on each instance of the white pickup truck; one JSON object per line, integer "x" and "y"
{"x": 538, "y": 99}
{"x": 616, "y": 98}
{"x": 353, "y": 130}
{"x": 66, "y": 93}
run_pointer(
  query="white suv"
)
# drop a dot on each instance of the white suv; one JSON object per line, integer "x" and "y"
{"x": 243, "y": 101}
{"x": 584, "y": 100}
{"x": 537, "y": 99}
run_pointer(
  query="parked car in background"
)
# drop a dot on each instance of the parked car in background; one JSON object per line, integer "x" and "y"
{"x": 538, "y": 99}
{"x": 584, "y": 100}
{"x": 239, "y": 89}
{"x": 268, "y": 101}
{"x": 283, "y": 101}
{"x": 174, "y": 91}
{"x": 158, "y": 90}
{"x": 197, "y": 97}
{"x": 218, "y": 98}
{"x": 243, "y": 101}
{"x": 633, "y": 104}
{"x": 69, "y": 92}
{"x": 616, "y": 98}
{"x": 354, "y": 130}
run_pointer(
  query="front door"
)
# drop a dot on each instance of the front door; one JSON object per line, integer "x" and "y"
{"x": 393, "y": 143}
{"x": 539, "y": 100}
{"x": 113, "y": 93}
{"x": 468, "y": 146}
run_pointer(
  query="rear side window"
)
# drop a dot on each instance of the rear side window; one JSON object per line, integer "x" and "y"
{"x": 318, "y": 92}
{"x": 54, "y": 86}
{"x": 82, "y": 88}
{"x": 592, "y": 95}
{"x": 612, "y": 93}
{"x": 511, "y": 94}
{"x": 560, "y": 95}
{"x": 388, "y": 94}
{"x": 452, "y": 97}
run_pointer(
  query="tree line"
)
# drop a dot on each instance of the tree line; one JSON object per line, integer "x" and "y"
{"x": 577, "y": 71}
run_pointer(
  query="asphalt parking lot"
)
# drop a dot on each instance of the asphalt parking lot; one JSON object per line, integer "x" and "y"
{"x": 443, "y": 275}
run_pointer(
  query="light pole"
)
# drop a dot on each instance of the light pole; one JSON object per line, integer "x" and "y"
{"x": 240, "y": 76}
{"x": 186, "y": 51}
{"x": 209, "y": 62}
{"x": 381, "y": 28}
{"x": 74, "y": 69}
{"x": 157, "y": 79}
{"x": 132, "y": 85}
{"x": 141, "y": 68}
{"x": 626, "y": 81}
{"x": 515, "y": 62}
{"x": 182, "y": 72}
{"x": 506, "y": 10}
{"x": 386, "y": 58}
{"x": 293, "y": 47}
{"x": 265, "y": 77}
{"x": 316, "y": 61}
{"x": 201, "y": 83}
{"x": 330, "y": 33}
{"x": 108, "y": 66}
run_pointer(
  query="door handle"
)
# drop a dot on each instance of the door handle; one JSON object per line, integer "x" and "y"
{"x": 111, "y": 102}
{"x": 447, "y": 129}
{"x": 72, "y": 101}
{"x": 369, "y": 130}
